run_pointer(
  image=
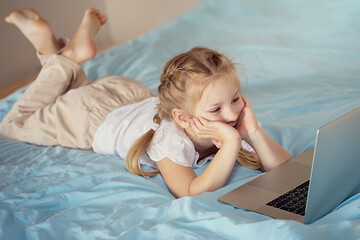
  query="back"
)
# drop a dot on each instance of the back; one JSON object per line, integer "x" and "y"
{"x": 335, "y": 171}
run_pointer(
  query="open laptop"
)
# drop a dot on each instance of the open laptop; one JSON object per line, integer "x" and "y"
{"x": 325, "y": 175}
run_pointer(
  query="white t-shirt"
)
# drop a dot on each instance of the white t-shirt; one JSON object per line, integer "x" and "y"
{"x": 125, "y": 125}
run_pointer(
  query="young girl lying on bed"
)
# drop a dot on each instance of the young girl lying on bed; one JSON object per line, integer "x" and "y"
{"x": 199, "y": 111}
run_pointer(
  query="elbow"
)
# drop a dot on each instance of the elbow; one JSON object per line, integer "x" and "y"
{"x": 184, "y": 194}
{"x": 192, "y": 191}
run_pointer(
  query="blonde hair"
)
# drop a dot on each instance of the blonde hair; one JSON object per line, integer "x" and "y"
{"x": 182, "y": 83}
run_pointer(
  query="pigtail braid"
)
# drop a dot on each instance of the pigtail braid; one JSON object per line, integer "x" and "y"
{"x": 249, "y": 160}
{"x": 132, "y": 160}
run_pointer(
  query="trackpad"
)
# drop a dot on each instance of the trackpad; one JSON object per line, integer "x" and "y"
{"x": 283, "y": 178}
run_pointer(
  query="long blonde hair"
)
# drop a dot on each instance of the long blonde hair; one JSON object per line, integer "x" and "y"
{"x": 182, "y": 82}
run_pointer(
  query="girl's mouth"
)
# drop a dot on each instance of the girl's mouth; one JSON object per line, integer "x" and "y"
{"x": 234, "y": 124}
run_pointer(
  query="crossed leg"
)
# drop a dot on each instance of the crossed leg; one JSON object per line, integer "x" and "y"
{"x": 47, "y": 106}
{"x": 61, "y": 107}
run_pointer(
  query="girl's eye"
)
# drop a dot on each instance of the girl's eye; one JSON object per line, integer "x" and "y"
{"x": 236, "y": 99}
{"x": 215, "y": 110}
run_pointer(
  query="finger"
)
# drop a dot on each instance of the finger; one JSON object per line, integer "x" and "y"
{"x": 205, "y": 133}
{"x": 203, "y": 121}
{"x": 194, "y": 126}
{"x": 197, "y": 123}
{"x": 246, "y": 100}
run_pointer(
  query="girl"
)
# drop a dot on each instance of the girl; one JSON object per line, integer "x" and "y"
{"x": 199, "y": 111}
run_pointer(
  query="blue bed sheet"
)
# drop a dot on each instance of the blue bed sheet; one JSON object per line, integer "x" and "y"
{"x": 302, "y": 60}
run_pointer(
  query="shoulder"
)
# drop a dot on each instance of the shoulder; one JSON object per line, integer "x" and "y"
{"x": 171, "y": 131}
{"x": 171, "y": 141}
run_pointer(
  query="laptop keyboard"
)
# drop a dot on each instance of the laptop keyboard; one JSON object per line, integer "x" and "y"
{"x": 292, "y": 201}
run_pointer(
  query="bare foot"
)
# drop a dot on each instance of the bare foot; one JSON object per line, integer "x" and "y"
{"x": 35, "y": 29}
{"x": 81, "y": 46}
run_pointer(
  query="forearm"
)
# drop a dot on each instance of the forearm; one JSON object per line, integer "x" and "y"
{"x": 269, "y": 151}
{"x": 218, "y": 171}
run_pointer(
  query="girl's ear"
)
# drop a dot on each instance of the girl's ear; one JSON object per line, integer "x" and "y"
{"x": 180, "y": 117}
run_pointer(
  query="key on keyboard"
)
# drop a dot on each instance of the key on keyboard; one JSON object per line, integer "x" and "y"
{"x": 292, "y": 201}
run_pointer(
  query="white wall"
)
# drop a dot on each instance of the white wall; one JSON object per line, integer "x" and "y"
{"x": 127, "y": 19}
{"x": 132, "y": 18}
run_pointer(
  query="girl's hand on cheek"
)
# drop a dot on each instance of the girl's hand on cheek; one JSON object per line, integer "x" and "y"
{"x": 219, "y": 133}
{"x": 247, "y": 122}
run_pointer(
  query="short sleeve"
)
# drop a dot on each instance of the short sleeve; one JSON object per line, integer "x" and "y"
{"x": 171, "y": 141}
{"x": 246, "y": 147}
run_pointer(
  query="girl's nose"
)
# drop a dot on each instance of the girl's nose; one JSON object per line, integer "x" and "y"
{"x": 230, "y": 115}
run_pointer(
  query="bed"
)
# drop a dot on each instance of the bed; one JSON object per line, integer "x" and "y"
{"x": 302, "y": 60}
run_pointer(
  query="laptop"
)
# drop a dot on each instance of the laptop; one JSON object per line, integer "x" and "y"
{"x": 313, "y": 183}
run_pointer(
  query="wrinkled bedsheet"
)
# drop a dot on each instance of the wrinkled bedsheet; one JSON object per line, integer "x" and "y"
{"x": 302, "y": 61}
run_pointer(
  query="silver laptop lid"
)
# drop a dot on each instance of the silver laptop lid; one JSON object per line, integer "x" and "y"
{"x": 335, "y": 174}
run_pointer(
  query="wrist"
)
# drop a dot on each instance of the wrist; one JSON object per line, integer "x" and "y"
{"x": 253, "y": 134}
{"x": 234, "y": 142}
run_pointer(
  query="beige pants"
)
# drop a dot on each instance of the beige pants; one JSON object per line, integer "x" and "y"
{"x": 62, "y": 107}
